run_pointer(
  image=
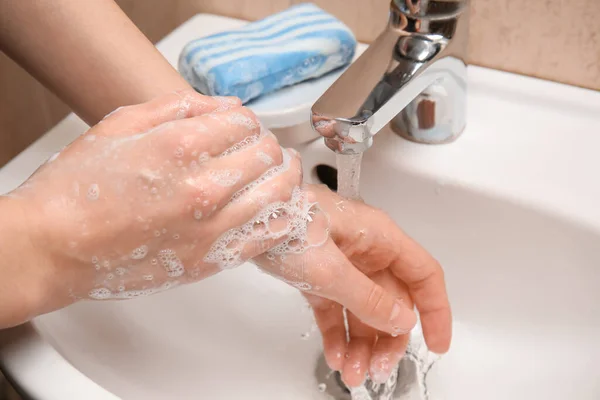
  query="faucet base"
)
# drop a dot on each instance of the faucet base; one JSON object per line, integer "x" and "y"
{"x": 436, "y": 115}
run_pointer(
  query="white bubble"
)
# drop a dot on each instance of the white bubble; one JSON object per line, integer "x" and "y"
{"x": 94, "y": 260}
{"x": 100, "y": 294}
{"x": 203, "y": 157}
{"x": 198, "y": 214}
{"x": 120, "y": 271}
{"x": 157, "y": 233}
{"x": 110, "y": 276}
{"x": 179, "y": 152}
{"x": 226, "y": 177}
{"x": 148, "y": 277}
{"x": 139, "y": 253}
{"x": 241, "y": 120}
{"x": 184, "y": 109}
{"x": 171, "y": 263}
{"x": 176, "y": 236}
{"x": 321, "y": 387}
{"x": 93, "y": 192}
{"x": 245, "y": 143}
{"x": 265, "y": 158}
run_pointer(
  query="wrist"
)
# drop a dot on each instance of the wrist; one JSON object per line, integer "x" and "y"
{"x": 25, "y": 272}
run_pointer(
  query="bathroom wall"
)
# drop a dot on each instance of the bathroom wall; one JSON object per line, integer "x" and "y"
{"x": 551, "y": 39}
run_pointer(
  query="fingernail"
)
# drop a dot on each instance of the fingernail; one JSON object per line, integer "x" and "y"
{"x": 399, "y": 318}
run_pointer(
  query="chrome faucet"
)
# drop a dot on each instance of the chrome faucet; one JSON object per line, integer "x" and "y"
{"x": 413, "y": 75}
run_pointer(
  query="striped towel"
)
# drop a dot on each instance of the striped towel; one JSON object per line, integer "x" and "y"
{"x": 294, "y": 45}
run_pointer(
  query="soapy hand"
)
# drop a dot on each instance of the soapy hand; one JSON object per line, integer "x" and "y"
{"x": 135, "y": 205}
{"x": 398, "y": 266}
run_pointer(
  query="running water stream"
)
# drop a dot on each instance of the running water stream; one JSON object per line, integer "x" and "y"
{"x": 348, "y": 179}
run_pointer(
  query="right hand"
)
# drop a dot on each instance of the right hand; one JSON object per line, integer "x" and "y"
{"x": 133, "y": 206}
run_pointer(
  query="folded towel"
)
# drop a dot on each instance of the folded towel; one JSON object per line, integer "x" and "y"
{"x": 299, "y": 43}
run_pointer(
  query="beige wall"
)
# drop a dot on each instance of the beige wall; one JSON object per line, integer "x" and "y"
{"x": 550, "y": 39}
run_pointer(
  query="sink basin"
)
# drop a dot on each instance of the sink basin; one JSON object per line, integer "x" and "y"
{"x": 511, "y": 210}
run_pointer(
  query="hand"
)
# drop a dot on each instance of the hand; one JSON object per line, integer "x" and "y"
{"x": 135, "y": 205}
{"x": 391, "y": 259}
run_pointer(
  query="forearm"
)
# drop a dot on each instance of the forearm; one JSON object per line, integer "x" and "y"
{"x": 88, "y": 52}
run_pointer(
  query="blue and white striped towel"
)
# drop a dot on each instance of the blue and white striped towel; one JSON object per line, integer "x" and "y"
{"x": 299, "y": 43}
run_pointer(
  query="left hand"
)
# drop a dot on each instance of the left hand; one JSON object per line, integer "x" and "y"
{"x": 395, "y": 262}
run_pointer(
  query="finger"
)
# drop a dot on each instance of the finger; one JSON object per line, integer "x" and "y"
{"x": 387, "y": 353}
{"x": 371, "y": 303}
{"x": 359, "y": 355}
{"x": 199, "y": 140}
{"x": 425, "y": 280}
{"x": 388, "y": 350}
{"x": 330, "y": 320}
{"x": 170, "y": 107}
{"x": 356, "y": 365}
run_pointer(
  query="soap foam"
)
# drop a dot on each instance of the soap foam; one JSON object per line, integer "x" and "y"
{"x": 265, "y": 158}
{"x": 171, "y": 263}
{"x": 139, "y": 253}
{"x": 244, "y": 143}
{"x": 225, "y": 177}
{"x": 93, "y": 192}
{"x": 286, "y": 221}
{"x": 105, "y": 294}
{"x": 242, "y": 120}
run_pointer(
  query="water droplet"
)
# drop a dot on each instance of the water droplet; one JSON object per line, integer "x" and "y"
{"x": 305, "y": 336}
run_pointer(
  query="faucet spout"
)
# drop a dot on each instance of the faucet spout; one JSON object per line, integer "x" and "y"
{"x": 414, "y": 75}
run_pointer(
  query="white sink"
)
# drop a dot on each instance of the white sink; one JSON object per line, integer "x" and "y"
{"x": 512, "y": 211}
